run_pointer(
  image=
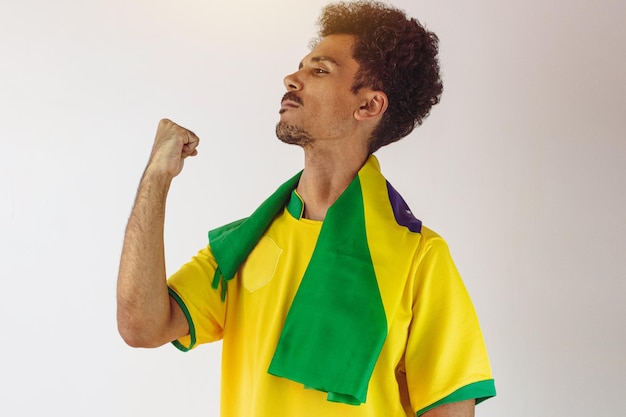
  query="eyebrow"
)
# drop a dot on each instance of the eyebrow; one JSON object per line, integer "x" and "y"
{"x": 321, "y": 59}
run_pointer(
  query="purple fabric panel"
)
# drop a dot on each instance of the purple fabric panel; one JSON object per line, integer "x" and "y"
{"x": 402, "y": 212}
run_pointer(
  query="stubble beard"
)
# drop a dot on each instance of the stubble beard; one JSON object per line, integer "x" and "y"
{"x": 292, "y": 135}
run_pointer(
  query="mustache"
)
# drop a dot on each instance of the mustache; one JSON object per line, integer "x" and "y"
{"x": 290, "y": 95}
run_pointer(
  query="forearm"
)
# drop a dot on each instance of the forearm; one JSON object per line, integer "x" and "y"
{"x": 146, "y": 315}
{"x": 143, "y": 306}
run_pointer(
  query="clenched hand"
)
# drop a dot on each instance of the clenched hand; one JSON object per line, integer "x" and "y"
{"x": 172, "y": 144}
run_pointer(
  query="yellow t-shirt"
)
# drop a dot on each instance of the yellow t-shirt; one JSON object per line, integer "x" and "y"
{"x": 433, "y": 353}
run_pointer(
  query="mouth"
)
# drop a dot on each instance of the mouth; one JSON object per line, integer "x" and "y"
{"x": 290, "y": 101}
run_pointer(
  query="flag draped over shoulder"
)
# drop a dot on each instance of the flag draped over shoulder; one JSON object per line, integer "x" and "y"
{"x": 337, "y": 323}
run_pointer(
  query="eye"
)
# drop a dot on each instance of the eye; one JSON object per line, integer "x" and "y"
{"x": 320, "y": 71}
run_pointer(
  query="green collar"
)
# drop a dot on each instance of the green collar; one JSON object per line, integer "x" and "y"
{"x": 295, "y": 205}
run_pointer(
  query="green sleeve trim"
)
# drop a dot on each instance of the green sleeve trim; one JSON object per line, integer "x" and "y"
{"x": 192, "y": 329}
{"x": 480, "y": 391}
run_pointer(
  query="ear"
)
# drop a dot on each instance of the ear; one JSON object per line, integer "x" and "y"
{"x": 374, "y": 105}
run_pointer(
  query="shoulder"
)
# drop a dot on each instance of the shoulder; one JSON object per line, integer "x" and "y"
{"x": 431, "y": 241}
{"x": 433, "y": 259}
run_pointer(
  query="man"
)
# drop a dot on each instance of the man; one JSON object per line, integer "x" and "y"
{"x": 331, "y": 299}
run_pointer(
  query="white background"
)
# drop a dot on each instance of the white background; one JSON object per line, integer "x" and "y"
{"x": 522, "y": 168}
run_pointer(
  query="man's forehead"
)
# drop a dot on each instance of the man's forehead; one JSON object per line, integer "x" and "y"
{"x": 333, "y": 49}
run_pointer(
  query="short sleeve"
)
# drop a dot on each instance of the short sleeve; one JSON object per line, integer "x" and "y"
{"x": 191, "y": 287}
{"x": 446, "y": 359}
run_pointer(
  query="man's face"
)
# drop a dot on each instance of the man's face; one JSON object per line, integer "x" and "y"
{"x": 319, "y": 104}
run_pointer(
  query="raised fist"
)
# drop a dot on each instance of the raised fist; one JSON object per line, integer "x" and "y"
{"x": 172, "y": 144}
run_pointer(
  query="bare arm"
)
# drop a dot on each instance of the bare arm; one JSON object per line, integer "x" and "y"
{"x": 458, "y": 409}
{"x": 146, "y": 315}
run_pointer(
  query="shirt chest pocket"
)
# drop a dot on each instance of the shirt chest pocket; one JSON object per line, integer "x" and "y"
{"x": 260, "y": 266}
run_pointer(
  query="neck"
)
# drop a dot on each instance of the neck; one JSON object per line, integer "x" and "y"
{"x": 325, "y": 177}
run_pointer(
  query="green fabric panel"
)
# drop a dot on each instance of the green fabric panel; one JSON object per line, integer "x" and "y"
{"x": 217, "y": 277}
{"x": 192, "y": 329}
{"x": 479, "y": 391}
{"x": 232, "y": 243}
{"x": 341, "y": 398}
{"x": 321, "y": 345}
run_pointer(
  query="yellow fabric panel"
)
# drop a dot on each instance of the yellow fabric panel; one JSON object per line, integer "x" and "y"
{"x": 445, "y": 341}
{"x": 192, "y": 283}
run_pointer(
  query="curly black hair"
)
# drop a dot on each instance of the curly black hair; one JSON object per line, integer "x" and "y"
{"x": 397, "y": 55}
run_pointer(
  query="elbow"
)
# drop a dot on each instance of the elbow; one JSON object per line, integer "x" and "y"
{"x": 132, "y": 339}
{"x": 137, "y": 335}
{"x": 130, "y": 336}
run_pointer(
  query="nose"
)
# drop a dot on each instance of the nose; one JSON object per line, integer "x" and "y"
{"x": 292, "y": 82}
